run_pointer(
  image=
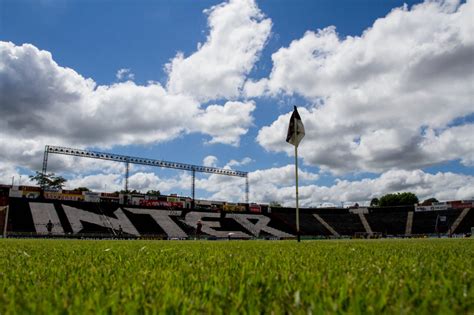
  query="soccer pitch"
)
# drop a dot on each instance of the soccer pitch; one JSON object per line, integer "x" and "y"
{"x": 423, "y": 276}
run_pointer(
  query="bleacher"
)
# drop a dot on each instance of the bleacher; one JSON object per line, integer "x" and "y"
{"x": 3, "y": 212}
{"x": 467, "y": 223}
{"x": 309, "y": 225}
{"x": 388, "y": 220}
{"x": 82, "y": 219}
{"x": 341, "y": 220}
{"x": 147, "y": 227}
{"x": 20, "y": 219}
{"x": 29, "y": 217}
{"x": 429, "y": 222}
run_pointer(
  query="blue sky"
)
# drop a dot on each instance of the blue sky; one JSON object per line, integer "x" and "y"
{"x": 385, "y": 89}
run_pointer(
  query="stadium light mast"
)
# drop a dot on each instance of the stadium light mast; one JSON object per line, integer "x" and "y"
{"x": 193, "y": 187}
{"x": 143, "y": 161}
{"x": 127, "y": 173}
{"x": 45, "y": 167}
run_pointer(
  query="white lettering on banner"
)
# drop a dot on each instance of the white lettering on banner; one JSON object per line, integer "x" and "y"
{"x": 42, "y": 213}
{"x": 208, "y": 226}
{"x": 431, "y": 208}
{"x": 256, "y": 228}
{"x": 162, "y": 218}
{"x": 75, "y": 216}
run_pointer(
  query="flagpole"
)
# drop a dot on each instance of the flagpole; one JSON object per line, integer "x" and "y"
{"x": 296, "y": 178}
{"x": 295, "y": 134}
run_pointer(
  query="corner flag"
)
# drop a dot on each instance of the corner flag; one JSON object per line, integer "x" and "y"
{"x": 296, "y": 129}
{"x": 294, "y": 136}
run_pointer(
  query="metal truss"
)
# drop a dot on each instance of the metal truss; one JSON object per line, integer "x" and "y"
{"x": 142, "y": 161}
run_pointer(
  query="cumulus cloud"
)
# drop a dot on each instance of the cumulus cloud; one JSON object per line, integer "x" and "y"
{"x": 97, "y": 182}
{"x": 218, "y": 69}
{"x": 10, "y": 175}
{"x": 225, "y": 124}
{"x": 124, "y": 74}
{"x": 277, "y": 184}
{"x": 210, "y": 160}
{"x": 246, "y": 160}
{"x": 386, "y": 99}
{"x": 262, "y": 183}
{"x": 140, "y": 181}
{"x": 43, "y": 103}
{"x": 143, "y": 181}
{"x": 41, "y": 98}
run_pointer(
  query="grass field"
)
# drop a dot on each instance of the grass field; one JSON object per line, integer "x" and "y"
{"x": 347, "y": 276}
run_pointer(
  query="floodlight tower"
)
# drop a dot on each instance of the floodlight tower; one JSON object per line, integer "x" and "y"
{"x": 144, "y": 161}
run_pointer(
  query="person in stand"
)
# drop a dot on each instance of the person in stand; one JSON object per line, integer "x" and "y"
{"x": 198, "y": 229}
{"x": 49, "y": 227}
{"x": 120, "y": 231}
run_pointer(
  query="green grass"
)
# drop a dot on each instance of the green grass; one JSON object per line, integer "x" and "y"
{"x": 180, "y": 277}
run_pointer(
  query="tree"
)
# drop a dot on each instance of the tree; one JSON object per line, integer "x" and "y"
{"x": 48, "y": 181}
{"x": 374, "y": 202}
{"x": 153, "y": 193}
{"x": 123, "y": 191}
{"x": 398, "y": 199}
{"x": 408, "y": 199}
{"x": 429, "y": 202}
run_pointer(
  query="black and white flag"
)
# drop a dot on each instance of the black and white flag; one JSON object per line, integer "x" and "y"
{"x": 294, "y": 136}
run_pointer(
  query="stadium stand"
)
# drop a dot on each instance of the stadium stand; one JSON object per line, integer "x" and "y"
{"x": 3, "y": 208}
{"x": 434, "y": 222}
{"x": 31, "y": 217}
{"x": 103, "y": 219}
{"x": 145, "y": 221}
{"x": 20, "y": 220}
{"x": 309, "y": 225}
{"x": 466, "y": 224}
{"x": 388, "y": 220}
{"x": 3, "y": 213}
{"x": 342, "y": 221}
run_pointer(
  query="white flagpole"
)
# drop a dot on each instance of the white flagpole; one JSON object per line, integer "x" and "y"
{"x": 296, "y": 177}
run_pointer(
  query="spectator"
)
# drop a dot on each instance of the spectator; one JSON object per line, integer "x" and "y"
{"x": 198, "y": 229}
{"x": 49, "y": 227}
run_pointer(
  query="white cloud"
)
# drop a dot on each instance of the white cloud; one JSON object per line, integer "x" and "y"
{"x": 277, "y": 184}
{"x": 262, "y": 183}
{"x": 210, "y": 160}
{"x": 255, "y": 88}
{"x": 9, "y": 174}
{"x": 455, "y": 142}
{"x": 141, "y": 181}
{"x": 43, "y": 103}
{"x": 124, "y": 74}
{"x": 149, "y": 181}
{"x": 238, "y": 33}
{"x": 97, "y": 182}
{"x": 386, "y": 99}
{"x": 246, "y": 160}
{"x": 225, "y": 124}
